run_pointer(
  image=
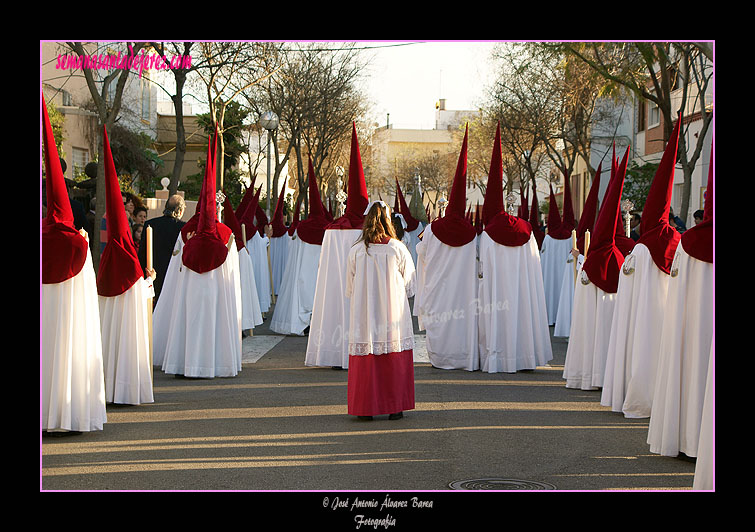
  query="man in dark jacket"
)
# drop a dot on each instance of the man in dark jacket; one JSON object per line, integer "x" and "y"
{"x": 165, "y": 231}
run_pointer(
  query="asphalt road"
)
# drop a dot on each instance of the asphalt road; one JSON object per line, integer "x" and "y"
{"x": 280, "y": 428}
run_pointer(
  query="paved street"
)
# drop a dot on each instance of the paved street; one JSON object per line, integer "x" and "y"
{"x": 279, "y": 425}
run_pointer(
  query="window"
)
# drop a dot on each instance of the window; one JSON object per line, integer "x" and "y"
{"x": 654, "y": 114}
{"x": 80, "y": 160}
{"x": 641, "y": 116}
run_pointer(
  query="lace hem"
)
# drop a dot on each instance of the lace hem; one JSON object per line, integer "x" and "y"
{"x": 381, "y": 348}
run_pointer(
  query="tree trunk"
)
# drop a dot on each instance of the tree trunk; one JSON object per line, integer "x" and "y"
{"x": 180, "y": 133}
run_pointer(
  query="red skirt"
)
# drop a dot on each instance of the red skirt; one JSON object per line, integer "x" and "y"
{"x": 381, "y": 384}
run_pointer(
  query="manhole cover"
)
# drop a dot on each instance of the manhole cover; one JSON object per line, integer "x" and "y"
{"x": 500, "y": 484}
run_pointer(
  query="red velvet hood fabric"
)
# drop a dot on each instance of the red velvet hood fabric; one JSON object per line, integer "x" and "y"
{"x": 357, "y": 199}
{"x": 279, "y": 226}
{"x": 498, "y": 224}
{"x": 589, "y": 211}
{"x": 453, "y": 229}
{"x": 64, "y": 249}
{"x": 229, "y": 219}
{"x": 604, "y": 258}
{"x": 312, "y": 230}
{"x": 562, "y": 225}
{"x": 295, "y": 222}
{"x": 535, "y": 219}
{"x": 119, "y": 265}
{"x": 248, "y": 215}
{"x": 403, "y": 208}
{"x": 697, "y": 241}
{"x": 655, "y": 231}
{"x": 207, "y": 249}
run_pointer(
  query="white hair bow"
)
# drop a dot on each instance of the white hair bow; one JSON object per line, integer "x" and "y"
{"x": 381, "y": 202}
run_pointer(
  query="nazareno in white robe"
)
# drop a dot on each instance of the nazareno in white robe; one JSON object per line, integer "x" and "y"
{"x": 706, "y": 447}
{"x": 169, "y": 298}
{"x": 684, "y": 357}
{"x": 413, "y": 241}
{"x": 328, "y": 342}
{"x": 513, "y": 326}
{"x": 126, "y": 344}
{"x": 257, "y": 246}
{"x": 73, "y": 383}
{"x": 635, "y": 337}
{"x": 293, "y": 308}
{"x": 279, "y": 248}
{"x": 590, "y": 331}
{"x": 566, "y": 298}
{"x": 251, "y": 313}
{"x": 554, "y": 253}
{"x": 445, "y": 302}
{"x": 204, "y": 330}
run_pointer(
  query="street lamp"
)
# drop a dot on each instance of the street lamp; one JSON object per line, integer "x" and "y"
{"x": 269, "y": 121}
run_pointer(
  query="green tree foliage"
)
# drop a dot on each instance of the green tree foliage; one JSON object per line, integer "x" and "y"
{"x": 233, "y": 125}
{"x": 637, "y": 183}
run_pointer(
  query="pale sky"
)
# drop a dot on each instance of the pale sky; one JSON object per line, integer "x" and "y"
{"x": 407, "y": 79}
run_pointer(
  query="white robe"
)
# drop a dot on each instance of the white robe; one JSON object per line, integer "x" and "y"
{"x": 585, "y": 362}
{"x": 204, "y": 331}
{"x": 566, "y": 298}
{"x": 73, "y": 383}
{"x": 251, "y": 313}
{"x": 706, "y": 447}
{"x": 513, "y": 326}
{"x": 446, "y": 302}
{"x": 126, "y": 343}
{"x": 684, "y": 355}
{"x": 169, "y": 298}
{"x": 279, "y": 248}
{"x": 328, "y": 342}
{"x": 381, "y": 278}
{"x": 257, "y": 246}
{"x": 413, "y": 240}
{"x": 293, "y": 308}
{"x": 553, "y": 255}
{"x": 635, "y": 337}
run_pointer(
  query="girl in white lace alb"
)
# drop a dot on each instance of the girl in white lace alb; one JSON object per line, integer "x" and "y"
{"x": 379, "y": 280}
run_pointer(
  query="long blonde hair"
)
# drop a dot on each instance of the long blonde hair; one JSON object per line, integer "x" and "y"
{"x": 377, "y": 225}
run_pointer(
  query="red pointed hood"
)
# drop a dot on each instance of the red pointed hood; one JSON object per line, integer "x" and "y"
{"x": 498, "y": 224}
{"x": 589, "y": 211}
{"x": 554, "y": 217}
{"x": 524, "y": 208}
{"x": 411, "y": 222}
{"x": 229, "y": 219}
{"x": 535, "y": 219}
{"x": 262, "y": 220}
{"x": 192, "y": 224}
{"x": 312, "y": 230}
{"x": 64, "y": 250}
{"x": 295, "y": 222}
{"x": 697, "y": 241}
{"x": 279, "y": 226}
{"x": 453, "y": 229}
{"x": 207, "y": 250}
{"x": 246, "y": 200}
{"x": 119, "y": 265}
{"x": 356, "y": 199}
{"x": 655, "y": 231}
{"x": 566, "y": 221}
{"x": 604, "y": 258}
{"x": 248, "y": 215}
